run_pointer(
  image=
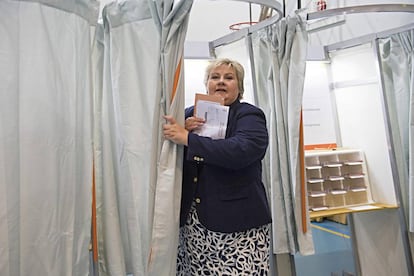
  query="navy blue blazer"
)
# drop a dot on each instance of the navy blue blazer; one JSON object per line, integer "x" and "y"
{"x": 223, "y": 177}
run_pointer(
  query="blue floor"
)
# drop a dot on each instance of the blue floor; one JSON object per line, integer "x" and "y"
{"x": 333, "y": 252}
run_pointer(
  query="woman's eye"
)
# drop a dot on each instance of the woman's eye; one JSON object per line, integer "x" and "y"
{"x": 217, "y": 77}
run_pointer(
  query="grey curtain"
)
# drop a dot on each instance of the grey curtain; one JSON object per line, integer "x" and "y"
{"x": 140, "y": 47}
{"x": 279, "y": 54}
{"x": 45, "y": 136}
{"x": 396, "y": 54}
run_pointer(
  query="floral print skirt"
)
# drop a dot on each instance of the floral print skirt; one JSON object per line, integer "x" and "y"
{"x": 204, "y": 252}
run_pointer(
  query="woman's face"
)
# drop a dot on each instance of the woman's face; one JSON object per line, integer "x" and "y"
{"x": 222, "y": 81}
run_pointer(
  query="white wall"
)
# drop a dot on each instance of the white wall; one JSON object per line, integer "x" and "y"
{"x": 194, "y": 79}
{"x": 360, "y": 115}
{"x": 318, "y": 118}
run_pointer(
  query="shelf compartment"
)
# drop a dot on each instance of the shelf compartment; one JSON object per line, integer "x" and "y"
{"x": 338, "y": 192}
{"x": 358, "y": 198}
{"x": 332, "y": 165}
{"x": 314, "y": 167}
{"x": 317, "y": 193}
{"x": 354, "y": 175}
{"x": 319, "y": 208}
{"x": 353, "y": 163}
{"x": 335, "y": 177}
{"x": 316, "y": 180}
{"x": 335, "y": 201}
{"x": 358, "y": 189}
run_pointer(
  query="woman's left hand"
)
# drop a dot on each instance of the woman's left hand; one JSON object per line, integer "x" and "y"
{"x": 175, "y": 132}
{"x": 192, "y": 123}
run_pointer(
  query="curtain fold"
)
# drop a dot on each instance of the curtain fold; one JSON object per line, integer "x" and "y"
{"x": 45, "y": 137}
{"x": 138, "y": 186}
{"x": 397, "y": 54}
{"x": 168, "y": 184}
{"x": 279, "y": 53}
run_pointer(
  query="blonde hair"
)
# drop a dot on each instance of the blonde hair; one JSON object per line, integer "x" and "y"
{"x": 238, "y": 68}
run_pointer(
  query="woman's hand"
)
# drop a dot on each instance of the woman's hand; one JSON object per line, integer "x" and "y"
{"x": 192, "y": 123}
{"x": 175, "y": 132}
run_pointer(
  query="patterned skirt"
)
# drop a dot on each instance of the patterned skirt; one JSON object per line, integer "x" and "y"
{"x": 204, "y": 252}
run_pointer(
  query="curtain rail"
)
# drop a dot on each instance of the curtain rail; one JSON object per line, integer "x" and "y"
{"x": 361, "y": 9}
{"x": 366, "y": 38}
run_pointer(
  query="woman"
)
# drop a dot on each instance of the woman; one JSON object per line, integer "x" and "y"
{"x": 225, "y": 217}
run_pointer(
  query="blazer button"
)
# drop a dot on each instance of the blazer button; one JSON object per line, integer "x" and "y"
{"x": 198, "y": 158}
{"x": 198, "y": 200}
{"x": 195, "y": 179}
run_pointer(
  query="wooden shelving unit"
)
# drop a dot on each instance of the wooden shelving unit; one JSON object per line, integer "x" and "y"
{"x": 338, "y": 183}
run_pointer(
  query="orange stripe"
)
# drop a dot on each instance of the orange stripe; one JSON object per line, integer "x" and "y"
{"x": 302, "y": 176}
{"x": 94, "y": 232}
{"x": 321, "y": 146}
{"x": 176, "y": 79}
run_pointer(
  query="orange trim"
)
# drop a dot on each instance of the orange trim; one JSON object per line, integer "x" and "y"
{"x": 94, "y": 232}
{"x": 321, "y": 146}
{"x": 176, "y": 79}
{"x": 302, "y": 176}
{"x": 237, "y": 26}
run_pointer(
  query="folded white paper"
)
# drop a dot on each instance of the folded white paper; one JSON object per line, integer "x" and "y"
{"x": 215, "y": 116}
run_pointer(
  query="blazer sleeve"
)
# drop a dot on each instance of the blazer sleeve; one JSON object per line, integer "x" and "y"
{"x": 245, "y": 143}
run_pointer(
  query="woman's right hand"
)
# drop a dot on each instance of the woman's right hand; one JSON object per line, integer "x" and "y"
{"x": 192, "y": 123}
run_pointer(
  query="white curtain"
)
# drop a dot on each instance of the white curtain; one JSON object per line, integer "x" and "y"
{"x": 279, "y": 55}
{"x": 138, "y": 173}
{"x": 397, "y": 54}
{"x": 45, "y": 136}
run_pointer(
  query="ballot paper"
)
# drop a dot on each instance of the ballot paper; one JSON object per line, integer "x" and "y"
{"x": 215, "y": 115}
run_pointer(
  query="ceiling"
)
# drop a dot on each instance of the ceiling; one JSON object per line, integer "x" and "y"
{"x": 210, "y": 20}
